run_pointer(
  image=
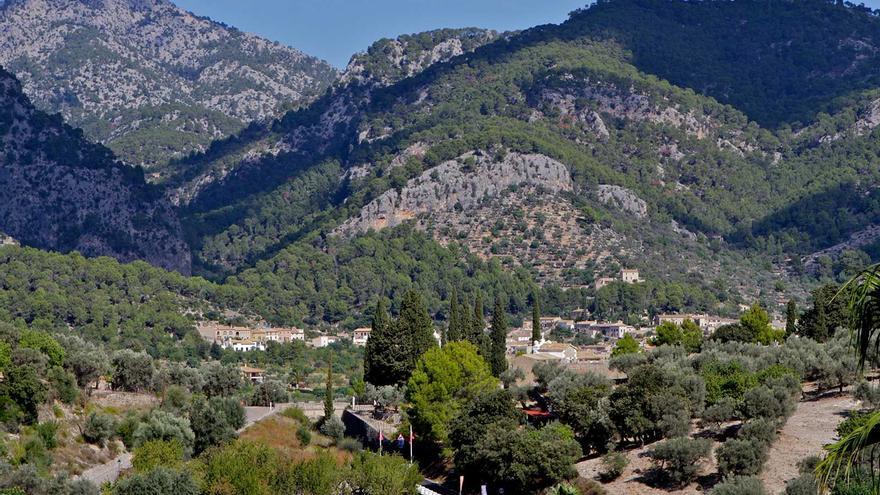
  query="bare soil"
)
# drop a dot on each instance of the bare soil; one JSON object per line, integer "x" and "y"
{"x": 809, "y": 428}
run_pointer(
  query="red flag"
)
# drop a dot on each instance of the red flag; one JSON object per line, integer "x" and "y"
{"x": 381, "y": 438}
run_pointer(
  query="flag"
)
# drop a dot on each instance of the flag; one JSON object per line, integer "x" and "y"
{"x": 411, "y": 435}
{"x": 381, "y": 437}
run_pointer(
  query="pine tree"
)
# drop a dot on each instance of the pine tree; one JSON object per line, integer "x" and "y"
{"x": 790, "y": 317}
{"x": 328, "y": 391}
{"x": 536, "y": 320}
{"x": 455, "y": 331}
{"x": 498, "y": 342}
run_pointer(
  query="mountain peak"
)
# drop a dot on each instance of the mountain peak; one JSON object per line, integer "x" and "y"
{"x": 133, "y": 72}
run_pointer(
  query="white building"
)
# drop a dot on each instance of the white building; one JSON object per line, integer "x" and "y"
{"x": 323, "y": 340}
{"x": 558, "y": 350}
{"x": 244, "y": 345}
{"x": 361, "y": 335}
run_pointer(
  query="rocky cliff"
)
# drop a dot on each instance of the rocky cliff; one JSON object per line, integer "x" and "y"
{"x": 147, "y": 78}
{"x": 61, "y": 192}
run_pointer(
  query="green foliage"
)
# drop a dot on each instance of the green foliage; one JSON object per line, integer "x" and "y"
{"x": 497, "y": 355}
{"x": 238, "y": 467}
{"x": 655, "y": 402}
{"x": 214, "y": 421}
{"x": 444, "y": 381}
{"x": 741, "y": 456}
{"x": 154, "y": 454}
{"x": 132, "y": 371}
{"x": 688, "y": 335}
{"x": 318, "y": 476}
{"x": 161, "y": 425}
{"x": 613, "y": 464}
{"x": 43, "y": 342}
{"x": 98, "y": 428}
{"x": 525, "y": 460}
{"x": 396, "y": 345}
{"x": 372, "y": 474}
{"x": 159, "y": 481}
{"x": 625, "y": 345}
{"x": 740, "y": 485}
{"x": 677, "y": 459}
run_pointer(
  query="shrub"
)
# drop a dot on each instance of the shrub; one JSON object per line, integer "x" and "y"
{"x": 760, "y": 430}
{"x": 678, "y": 458}
{"x": 157, "y": 453}
{"x": 804, "y": 484}
{"x": 563, "y": 489}
{"x": 739, "y": 485}
{"x": 47, "y": 431}
{"x": 304, "y": 435}
{"x": 125, "y": 430}
{"x": 162, "y": 425}
{"x": 721, "y": 412}
{"x": 160, "y": 480}
{"x": 613, "y": 464}
{"x": 741, "y": 456}
{"x": 297, "y": 414}
{"x": 350, "y": 444}
{"x": 590, "y": 487}
{"x": 333, "y": 428}
{"x": 98, "y": 428}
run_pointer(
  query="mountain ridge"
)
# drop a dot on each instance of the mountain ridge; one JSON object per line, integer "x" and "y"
{"x": 136, "y": 72}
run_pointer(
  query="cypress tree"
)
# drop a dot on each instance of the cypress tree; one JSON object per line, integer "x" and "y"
{"x": 790, "y": 317}
{"x": 498, "y": 342}
{"x": 384, "y": 351}
{"x": 454, "y": 333}
{"x": 821, "y": 331}
{"x": 415, "y": 327}
{"x": 328, "y": 391}
{"x": 477, "y": 325}
{"x": 536, "y": 320}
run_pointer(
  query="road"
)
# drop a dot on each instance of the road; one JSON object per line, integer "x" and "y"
{"x": 109, "y": 471}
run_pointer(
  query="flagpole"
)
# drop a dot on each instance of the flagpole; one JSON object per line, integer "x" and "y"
{"x": 410, "y": 446}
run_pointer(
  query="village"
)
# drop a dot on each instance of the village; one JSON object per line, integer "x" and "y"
{"x": 573, "y": 340}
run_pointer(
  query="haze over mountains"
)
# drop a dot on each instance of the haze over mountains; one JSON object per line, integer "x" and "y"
{"x": 716, "y": 146}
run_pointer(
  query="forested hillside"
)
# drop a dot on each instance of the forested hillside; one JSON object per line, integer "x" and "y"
{"x": 61, "y": 192}
{"x": 660, "y": 162}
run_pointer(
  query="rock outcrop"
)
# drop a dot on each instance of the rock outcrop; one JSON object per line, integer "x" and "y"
{"x": 460, "y": 184}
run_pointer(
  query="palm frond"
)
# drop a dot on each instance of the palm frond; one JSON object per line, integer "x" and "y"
{"x": 864, "y": 310}
{"x": 847, "y": 453}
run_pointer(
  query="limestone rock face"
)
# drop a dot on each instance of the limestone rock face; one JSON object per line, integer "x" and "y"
{"x": 130, "y": 71}
{"x": 61, "y": 192}
{"x": 461, "y": 184}
{"x": 623, "y": 199}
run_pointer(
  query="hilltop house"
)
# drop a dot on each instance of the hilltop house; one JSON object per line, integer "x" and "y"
{"x": 630, "y": 276}
{"x": 255, "y": 375}
{"x": 361, "y": 335}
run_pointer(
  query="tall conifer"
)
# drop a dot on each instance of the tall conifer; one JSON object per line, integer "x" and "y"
{"x": 498, "y": 339}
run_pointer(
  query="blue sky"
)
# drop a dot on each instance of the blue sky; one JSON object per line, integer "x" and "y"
{"x": 335, "y": 29}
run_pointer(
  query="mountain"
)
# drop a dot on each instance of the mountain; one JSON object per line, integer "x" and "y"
{"x": 60, "y": 192}
{"x": 558, "y": 154}
{"x": 148, "y": 79}
{"x": 573, "y": 150}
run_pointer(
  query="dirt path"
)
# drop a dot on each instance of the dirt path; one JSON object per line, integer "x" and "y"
{"x": 809, "y": 428}
{"x": 109, "y": 471}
